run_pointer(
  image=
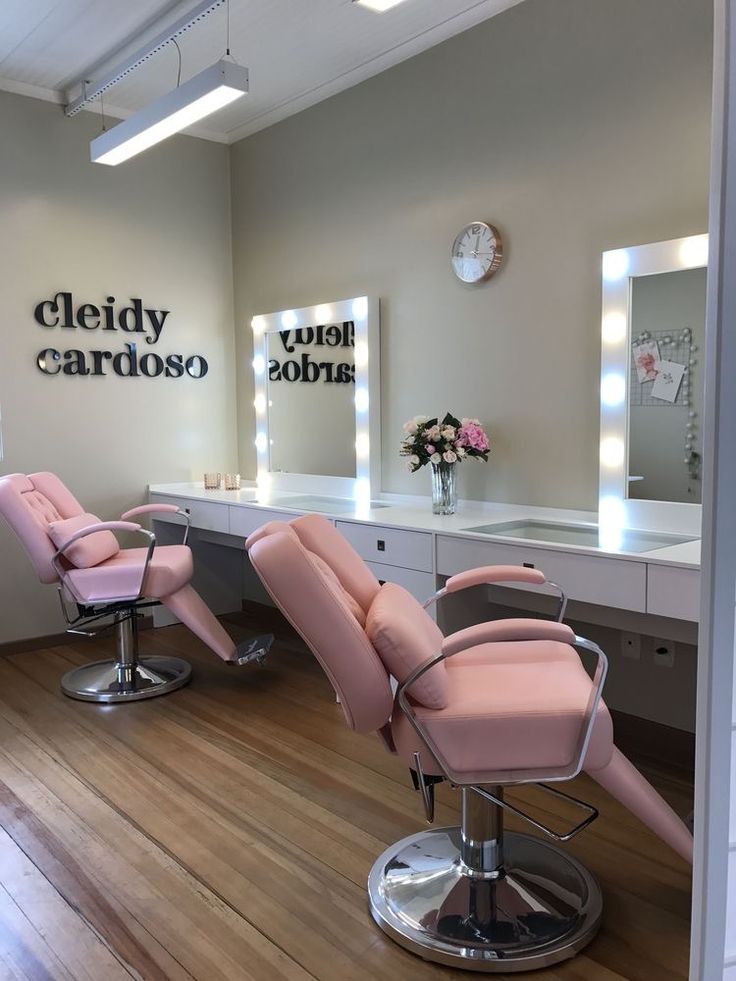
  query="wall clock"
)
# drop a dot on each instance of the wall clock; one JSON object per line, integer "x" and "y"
{"x": 476, "y": 252}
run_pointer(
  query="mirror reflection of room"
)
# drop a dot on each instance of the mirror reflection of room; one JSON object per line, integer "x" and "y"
{"x": 666, "y": 386}
{"x": 311, "y": 394}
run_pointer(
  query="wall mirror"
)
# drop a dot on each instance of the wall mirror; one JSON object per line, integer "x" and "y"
{"x": 653, "y": 346}
{"x": 317, "y": 395}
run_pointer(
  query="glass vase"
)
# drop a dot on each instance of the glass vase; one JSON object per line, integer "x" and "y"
{"x": 444, "y": 488}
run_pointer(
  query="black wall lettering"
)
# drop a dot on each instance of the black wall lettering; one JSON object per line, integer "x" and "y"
{"x": 196, "y": 366}
{"x": 46, "y": 361}
{"x": 174, "y": 366}
{"x": 88, "y": 311}
{"x": 151, "y": 365}
{"x": 75, "y": 363}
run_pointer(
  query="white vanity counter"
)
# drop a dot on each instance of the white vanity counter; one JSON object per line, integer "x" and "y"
{"x": 402, "y": 540}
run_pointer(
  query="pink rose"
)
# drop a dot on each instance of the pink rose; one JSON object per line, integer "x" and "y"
{"x": 473, "y": 436}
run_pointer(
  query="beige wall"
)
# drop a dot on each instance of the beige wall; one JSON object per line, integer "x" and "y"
{"x": 157, "y": 228}
{"x": 576, "y": 126}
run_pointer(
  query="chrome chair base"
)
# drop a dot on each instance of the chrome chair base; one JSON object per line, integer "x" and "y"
{"x": 111, "y": 681}
{"x": 540, "y": 908}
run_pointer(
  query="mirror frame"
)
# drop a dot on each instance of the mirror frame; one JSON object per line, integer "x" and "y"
{"x": 363, "y": 311}
{"x": 616, "y": 510}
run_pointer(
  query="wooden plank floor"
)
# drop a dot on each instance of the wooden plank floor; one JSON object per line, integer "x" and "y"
{"x": 226, "y": 831}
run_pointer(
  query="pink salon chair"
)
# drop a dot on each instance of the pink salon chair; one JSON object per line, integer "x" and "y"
{"x": 495, "y": 705}
{"x": 104, "y": 582}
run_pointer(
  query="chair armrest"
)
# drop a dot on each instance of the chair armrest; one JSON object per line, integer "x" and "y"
{"x": 100, "y": 526}
{"x": 494, "y": 573}
{"x": 161, "y": 509}
{"x": 505, "y": 575}
{"x": 505, "y": 630}
{"x": 500, "y": 630}
{"x": 130, "y": 526}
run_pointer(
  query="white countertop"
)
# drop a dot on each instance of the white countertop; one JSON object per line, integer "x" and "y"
{"x": 415, "y": 514}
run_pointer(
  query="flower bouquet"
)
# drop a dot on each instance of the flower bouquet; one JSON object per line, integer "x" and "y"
{"x": 443, "y": 445}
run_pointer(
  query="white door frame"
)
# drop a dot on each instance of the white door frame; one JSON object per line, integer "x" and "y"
{"x": 716, "y": 642}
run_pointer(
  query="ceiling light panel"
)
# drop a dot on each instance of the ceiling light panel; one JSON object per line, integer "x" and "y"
{"x": 379, "y": 5}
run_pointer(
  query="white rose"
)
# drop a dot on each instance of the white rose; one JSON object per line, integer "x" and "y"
{"x": 435, "y": 458}
{"x": 448, "y": 432}
{"x": 410, "y": 427}
{"x": 410, "y": 467}
{"x": 449, "y": 456}
{"x": 420, "y": 420}
{"x": 414, "y": 459}
{"x": 460, "y": 452}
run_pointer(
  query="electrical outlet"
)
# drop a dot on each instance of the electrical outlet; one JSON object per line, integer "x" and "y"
{"x": 631, "y": 645}
{"x": 664, "y": 653}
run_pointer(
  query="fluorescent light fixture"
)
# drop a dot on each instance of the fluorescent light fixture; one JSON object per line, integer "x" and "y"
{"x": 215, "y": 87}
{"x": 379, "y": 5}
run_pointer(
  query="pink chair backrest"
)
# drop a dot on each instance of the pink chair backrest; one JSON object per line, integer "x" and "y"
{"x": 29, "y": 504}
{"x": 326, "y": 623}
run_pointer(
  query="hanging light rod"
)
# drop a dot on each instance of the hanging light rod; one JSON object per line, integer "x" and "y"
{"x": 93, "y": 89}
{"x": 202, "y": 95}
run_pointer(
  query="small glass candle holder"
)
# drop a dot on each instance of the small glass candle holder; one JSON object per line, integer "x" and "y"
{"x": 232, "y": 481}
{"x": 212, "y": 481}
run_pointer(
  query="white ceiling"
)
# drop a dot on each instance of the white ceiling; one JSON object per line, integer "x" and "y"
{"x": 298, "y": 51}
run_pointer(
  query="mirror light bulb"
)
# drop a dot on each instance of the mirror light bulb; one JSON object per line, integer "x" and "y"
{"x": 360, "y": 308}
{"x": 612, "y": 451}
{"x": 362, "y": 445}
{"x": 258, "y": 325}
{"x": 615, "y": 264}
{"x": 288, "y": 319}
{"x": 361, "y": 399}
{"x": 694, "y": 251}
{"x": 260, "y": 402}
{"x": 323, "y": 313}
{"x": 361, "y": 354}
{"x": 261, "y": 442}
{"x": 259, "y": 364}
{"x": 614, "y": 328}
{"x": 613, "y": 389}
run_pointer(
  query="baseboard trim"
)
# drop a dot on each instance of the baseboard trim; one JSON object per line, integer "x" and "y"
{"x": 647, "y": 740}
{"x": 54, "y": 640}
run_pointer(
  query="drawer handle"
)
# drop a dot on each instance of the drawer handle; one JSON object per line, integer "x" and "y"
{"x": 187, "y": 511}
{"x": 381, "y": 545}
{"x": 528, "y": 565}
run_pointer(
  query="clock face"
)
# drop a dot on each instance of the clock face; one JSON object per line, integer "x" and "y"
{"x": 476, "y": 252}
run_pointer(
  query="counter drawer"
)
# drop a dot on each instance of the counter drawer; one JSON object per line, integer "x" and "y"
{"x": 209, "y": 515}
{"x": 586, "y": 578}
{"x": 244, "y": 520}
{"x": 420, "y": 584}
{"x": 673, "y": 592}
{"x": 390, "y": 546}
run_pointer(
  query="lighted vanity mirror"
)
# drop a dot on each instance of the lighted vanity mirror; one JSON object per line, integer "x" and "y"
{"x": 653, "y": 342}
{"x": 316, "y": 399}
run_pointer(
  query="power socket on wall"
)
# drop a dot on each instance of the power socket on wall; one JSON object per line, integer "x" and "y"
{"x": 631, "y": 646}
{"x": 664, "y": 653}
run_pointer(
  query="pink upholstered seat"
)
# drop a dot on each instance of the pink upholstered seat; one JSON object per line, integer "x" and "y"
{"x": 508, "y": 711}
{"x": 170, "y": 569}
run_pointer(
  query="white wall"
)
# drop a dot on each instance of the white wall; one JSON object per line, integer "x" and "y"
{"x": 157, "y": 228}
{"x": 575, "y": 126}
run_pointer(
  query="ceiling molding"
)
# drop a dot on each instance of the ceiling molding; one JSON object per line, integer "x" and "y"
{"x": 112, "y": 112}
